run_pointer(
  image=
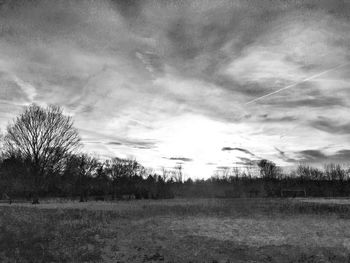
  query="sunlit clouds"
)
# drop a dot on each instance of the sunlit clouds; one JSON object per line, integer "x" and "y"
{"x": 168, "y": 82}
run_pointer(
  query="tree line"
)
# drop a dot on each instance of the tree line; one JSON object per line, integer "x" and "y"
{"x": 40, "y": 157}
{"x": 266, "y": 179}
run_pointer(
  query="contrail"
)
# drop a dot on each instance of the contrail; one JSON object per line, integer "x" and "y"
{"x": 295, "y": 84}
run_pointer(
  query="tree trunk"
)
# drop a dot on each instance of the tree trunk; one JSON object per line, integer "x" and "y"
{"x": 36, "y": 184}
{"x": 35, "y": 200}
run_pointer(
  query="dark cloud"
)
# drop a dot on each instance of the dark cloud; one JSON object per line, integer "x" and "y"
{"x": 284, "y": 156}
{"x": 237, "y": 149}
{"x": 312, "y": 155}
{"x": 183, "y": 159}
{"x": 343, "y": 155}
{"x": 282, "y": 153}
{"x": 318, "y": 156}
{"x": 317, "y": 102}
{"x": 130, "y": 9}
{"x": 331, "y": 126}
{"x": 246, "y": 161}
{"x": 114, "y": 143}
{"x": 250, "y": 89}
{"x": 277, "y": 119}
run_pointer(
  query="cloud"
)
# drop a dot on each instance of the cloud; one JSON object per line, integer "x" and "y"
{"x": 331, "y": 126}
{"x": 318, "y": 156}
{"x": 343, "y": 155}
{"x": 183, "y": 159}
{"x": 276, "y": 119}
{"x": 134, "y": 143}
{"x": 246, "y": 161}
{"x": 237, "y": 149}
{"x": 152, "y": 62}
{"x": 115, "y": 143}
{"x": 27, "y": 88}
{"x": 285, "y": 157}
{"x": 282, "y": 153}
{"x": 10, "y": 91}
{"x": 311, "y": 156}
{"x": 315, "y": 102}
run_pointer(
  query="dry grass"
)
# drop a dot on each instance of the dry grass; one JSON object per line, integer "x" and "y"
{"x": 179, "y": 230}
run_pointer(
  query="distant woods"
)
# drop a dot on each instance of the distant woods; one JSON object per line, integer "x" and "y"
{"x": 40, "y": 157}
{"x": 331, "y": 181}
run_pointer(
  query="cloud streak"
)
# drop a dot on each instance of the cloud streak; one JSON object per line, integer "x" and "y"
{"x": 182, "y": 159}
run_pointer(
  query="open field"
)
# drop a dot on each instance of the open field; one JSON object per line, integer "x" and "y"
{"x": 178, "y": 230}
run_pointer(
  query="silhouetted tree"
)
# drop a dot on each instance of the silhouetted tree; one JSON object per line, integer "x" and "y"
{"x": 45, "y": 137}
{"x": 101, "y": 181}
{"x": 335, "y": 172}
{"x": 165, "y": 174}
{"x": 177, "y": 174}
{"x": 123, "y": 173}
{"x": 268, "y": 169}
{"x": 14, "y": 175}
{"x": 87, "y": 167}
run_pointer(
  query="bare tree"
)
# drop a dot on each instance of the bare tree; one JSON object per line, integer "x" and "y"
{"x": 165, "y": 174}
{"x": 177, "y": 173}
{"x": 122, "y": 171}
{"x": 87, "y": 166}
{"x": 45, "y": 137}
{"x": 268, "y": 169}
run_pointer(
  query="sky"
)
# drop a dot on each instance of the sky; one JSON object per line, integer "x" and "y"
{"x": 201, "y": 83}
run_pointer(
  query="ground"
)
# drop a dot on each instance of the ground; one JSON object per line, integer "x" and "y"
{"x": 177, "y": 230}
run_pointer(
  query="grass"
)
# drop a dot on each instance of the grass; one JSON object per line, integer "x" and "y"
{"x": 179, "y": 230}
{"x": 29, "y": 235}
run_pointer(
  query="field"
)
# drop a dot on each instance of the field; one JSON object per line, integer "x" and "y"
{"x": 178, "y": 230}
